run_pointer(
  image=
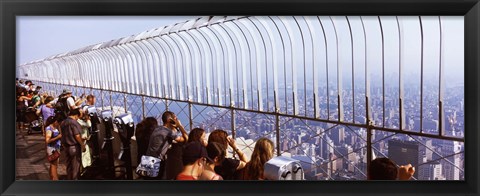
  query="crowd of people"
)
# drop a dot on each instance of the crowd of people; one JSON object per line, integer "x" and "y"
{"x": 64, "y": 125}
{"x": 184, "y": 156}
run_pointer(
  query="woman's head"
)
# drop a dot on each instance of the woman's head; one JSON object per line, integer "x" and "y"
{"x": 263, "y": 151}
{"x": 219, "y": 136}
{"x": 264, "y": 148}
{"x": 216, "y": 153}
{"x": 198, "y": 135}
{"x": 145, "y": 127}
{"x": 150, "y": 122}
{"x": 48, "y": 99}
{"x": 52, "y": 120}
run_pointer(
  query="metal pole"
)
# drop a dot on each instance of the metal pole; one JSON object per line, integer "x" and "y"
{"x": 190, "y": 114}
{"x": 232, "y": 118}
{"x": 369, "y": 147}
{"x": 277, "y": 130}
{"x": 421, "y": 77}
{"x": 143, "y": 107}
{"x": 101, "y": 97}
{"x": 125, "y": 101}
{"x": 110, "y": 98}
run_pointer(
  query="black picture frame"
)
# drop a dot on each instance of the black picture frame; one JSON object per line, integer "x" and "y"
{"x": 9, "y": 9}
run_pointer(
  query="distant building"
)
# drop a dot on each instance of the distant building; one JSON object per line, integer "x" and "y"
{"x": 431, "y": 171}
{"x": 403, "y": 152}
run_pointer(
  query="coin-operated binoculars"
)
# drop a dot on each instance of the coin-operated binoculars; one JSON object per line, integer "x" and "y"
{"x": 106, "y": 118}
{"x": 125, "y": 126}
{"x": 92, "y": 112}
{"x": 283, "y": 168}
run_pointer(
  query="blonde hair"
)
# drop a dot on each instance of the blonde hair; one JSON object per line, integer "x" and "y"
{"x": 263, "y": 151}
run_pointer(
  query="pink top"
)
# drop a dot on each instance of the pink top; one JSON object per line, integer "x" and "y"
{"x": 185, "y": 177}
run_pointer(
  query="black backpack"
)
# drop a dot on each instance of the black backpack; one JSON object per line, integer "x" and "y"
{"x": 61, "y": 108}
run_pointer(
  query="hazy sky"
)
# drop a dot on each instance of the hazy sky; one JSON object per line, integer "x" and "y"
{"x": 42, "y": 36}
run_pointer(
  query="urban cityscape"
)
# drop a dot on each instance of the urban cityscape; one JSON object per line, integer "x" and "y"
{"x": 319, "y": 117}
{"x": 337, "y": 152}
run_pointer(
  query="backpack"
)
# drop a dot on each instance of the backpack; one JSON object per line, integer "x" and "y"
{"x": 61, "y": 108}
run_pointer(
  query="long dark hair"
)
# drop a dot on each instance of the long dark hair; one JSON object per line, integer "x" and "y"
{"x": 219, "y": 136}
{"x": 263, "y": 151}
{"x": 196, "y": 135}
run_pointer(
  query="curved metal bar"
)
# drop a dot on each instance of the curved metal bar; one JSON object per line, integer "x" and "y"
{"x": 316, "y": 106}
{"x": 96, "y": 69}
{"x": 188, "y": 65}
{"x": 441, "y": 85}
{"x": 326, "y": 66}
{"x": 174, "y": 78}
{"x": 144, "y": 63}
{"x": 250, "y": 62}
{"x": 367, "y": 78}
{"x": 89, "y": 69}
{"x": 258, "y": 60}
{"x": 294, "y": 72}
{"x": 265, "y": 25}
{"x": 196, "y": 67}
{"x": 86, "y": 79}
{"x": 140, "y": 58}
{"x": 250, "y": 59}
{"x": 400, "y": 81}
{"x": 266, "y": 63}
{"x": 304, "y": 66}
{"x": 353, "y": 69}
{"x": 110, "y": 70}
{"x": 339, "y": 76}
{"x": 102, "y": 66}
{"x": 122, "y": 64}
{"x": 160, "y": 68}
{"x": 421, "y": 75}
{"x": 118, "y": 66}
{"x": 218, "y": 68}
{"x": 154, "y": 60}
{"x": 229, "y": 32}
{"x": 131, "y": 68}
{"x": 383, "y": 69}
{"x": 178, "y": 68}
{"x": 130, "y": 65}
{"x": 211, "y": 72}
{"x": 78, "y": 68}
{"x": 168, "y": 80}
{"x": 227, "y": 54}
{"x": 207, "y": 77}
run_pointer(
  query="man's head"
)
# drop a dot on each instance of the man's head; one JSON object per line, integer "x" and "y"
{"x": 194, "y": 154}
{"x": 28, "y": 83}
{"x": 168, "y": 119}
{"x": 67, "y": 92}
{"x": 382, "y": 169}
{"x": 75, "y": 113}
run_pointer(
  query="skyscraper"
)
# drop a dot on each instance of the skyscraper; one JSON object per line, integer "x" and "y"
{"x": 403, "y": 152}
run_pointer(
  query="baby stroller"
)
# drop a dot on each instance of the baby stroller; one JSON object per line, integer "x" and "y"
{"x": 34, "y": 122}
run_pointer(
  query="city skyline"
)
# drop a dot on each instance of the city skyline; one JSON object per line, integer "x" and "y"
{"x": 294, "y": 101}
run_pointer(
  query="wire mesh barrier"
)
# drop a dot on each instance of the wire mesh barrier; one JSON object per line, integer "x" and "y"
{"x": 333, "y": 92}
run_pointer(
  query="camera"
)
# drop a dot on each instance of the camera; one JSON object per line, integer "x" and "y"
{"x": 106, "y": 115}
{"x": 283, "y": 168}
